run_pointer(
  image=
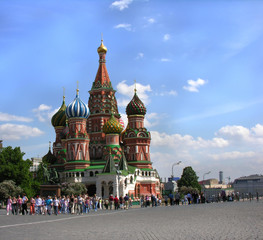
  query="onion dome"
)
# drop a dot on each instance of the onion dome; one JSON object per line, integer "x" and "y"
{"x": 59, "y": 118}
{"x": 102, "y": 48}
{"x": 135, "y": 106}
{"x": 77, "y": 109}
{"x": 49, "y": 158}
{"x": 122, "y": 123}
{"x": 112, "y": 126}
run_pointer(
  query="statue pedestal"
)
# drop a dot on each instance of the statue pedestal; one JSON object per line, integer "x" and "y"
{"x": 50, "y": 190}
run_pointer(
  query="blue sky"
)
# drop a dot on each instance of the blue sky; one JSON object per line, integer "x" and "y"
{"x": 198, "y": 67}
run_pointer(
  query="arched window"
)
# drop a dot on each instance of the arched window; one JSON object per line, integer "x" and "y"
{"x": 69, "y": 174}
{"x": 77, "y": 174}
{"x": 82, "y": 174}
{"x": 91, "y": 174}
{"x": 96, "y": 173}
{"x": 131, "y": 179}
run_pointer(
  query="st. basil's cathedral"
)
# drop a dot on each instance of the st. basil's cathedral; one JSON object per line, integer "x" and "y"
{"x": 92, "y": 146}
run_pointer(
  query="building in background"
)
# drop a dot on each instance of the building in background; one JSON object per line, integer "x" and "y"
{"x": 35, "y": 164}
{"x": 221, "y": 177}
{"x": 252, "y": 184}
{"x": 213, "y": 190}
{"x": 93, "y": 147}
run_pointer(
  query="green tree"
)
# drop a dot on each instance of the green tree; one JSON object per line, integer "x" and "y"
{"x": 189, "y": 179}
{"x": 9, "y": 188}
{"x": 13, "y": 167}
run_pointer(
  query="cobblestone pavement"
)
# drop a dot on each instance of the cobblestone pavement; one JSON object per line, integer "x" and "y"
{"x": 231, "y": 220}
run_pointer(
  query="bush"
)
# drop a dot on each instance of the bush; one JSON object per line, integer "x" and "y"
{"x": 73, "y": 188}
{"x": 9, "y": 188}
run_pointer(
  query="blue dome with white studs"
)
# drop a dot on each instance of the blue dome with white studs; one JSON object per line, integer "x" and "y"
{"x": 77, "y": 109}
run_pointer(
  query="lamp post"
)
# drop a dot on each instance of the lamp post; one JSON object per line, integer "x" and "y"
{"x": 204, "y": 180}
{"x": 173, "y": 167}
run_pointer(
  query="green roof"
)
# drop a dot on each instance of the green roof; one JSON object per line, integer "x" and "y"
{"x": 78, "y": 161}
{"x": 76, "y": 170}
{"x": 95, "y": 167}
{"x": 146, "y": 169}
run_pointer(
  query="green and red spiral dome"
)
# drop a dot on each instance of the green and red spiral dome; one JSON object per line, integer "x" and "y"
{"x": 135, "y": 106}
{"x": 59, "y": 118}
{"x": 112, "y": 126}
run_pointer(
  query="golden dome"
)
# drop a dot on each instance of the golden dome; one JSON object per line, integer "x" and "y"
{"x": 102, "y": 48}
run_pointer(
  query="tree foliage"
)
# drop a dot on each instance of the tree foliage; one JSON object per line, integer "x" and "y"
{"x": 73, "y": 188}
{"x": 189, "y": 180}
{"x": 9, "y": 188}
{"x": 13, "y": 167}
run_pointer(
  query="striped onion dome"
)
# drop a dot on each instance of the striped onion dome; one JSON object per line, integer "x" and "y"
{"x": 112, "y": 126}
{"x": 77, "y": 109}
{"x": 59, "y": 118}
{"x": 135, "y": 106}
{"x": 122, "y": 123}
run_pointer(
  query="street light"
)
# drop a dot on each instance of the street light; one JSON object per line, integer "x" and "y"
{"x": 173, "y": 167}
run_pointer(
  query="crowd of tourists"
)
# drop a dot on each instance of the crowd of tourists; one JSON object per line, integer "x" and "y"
{"x": 83, "y": 204}
{"x": 74, "y": 204}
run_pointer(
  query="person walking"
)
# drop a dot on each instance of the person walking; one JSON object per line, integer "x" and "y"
{"x": 116, "y": 203}
{"x": 126, "y": 200}
{"x": 95, "y": 202}
{"x": 56, "y": 204}
{"x": 9, "y": 205}
{"x": 111, "y": 200}
{"x": 38, "y": 205}
{"x": 24, "y": 204}
{"x": 32, "y": 206}
{"x": 14, "y": 206}
{"x": 80, "y": 207}
{"x": 19, "y": 205}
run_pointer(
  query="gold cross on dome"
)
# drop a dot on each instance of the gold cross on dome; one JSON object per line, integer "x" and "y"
{"x": 135, "y": 90}
{"x": 77, "y": 86}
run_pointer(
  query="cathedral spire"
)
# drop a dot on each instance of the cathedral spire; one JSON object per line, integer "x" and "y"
{"x": 102, "y": 79}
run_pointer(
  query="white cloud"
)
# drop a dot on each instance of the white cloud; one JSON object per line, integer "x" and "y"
{"x": 165, "y": 60}
{"x": 257, "y": 130}
{"x": 234, "y": 147}
{"x": 44, "y": 112}
{"x": 139, "y": 56}
{"x": 194, "y": 85}
{"x": 122, "y": 4}
{"x": 125, "y": 26}
{"x": 166, "y": 37}
{"x": 5, "y": 117}
{"x": 166, "y": 93}
{"x": 128, "y": 92}
{"x": 151, "y": 20}
{"x": 233, "y": 155}
{"x": 242, "y": 135}
{"x": 153, "y": 119}
{"x": 181, "y": 142}
{"x": 16, "y": 132}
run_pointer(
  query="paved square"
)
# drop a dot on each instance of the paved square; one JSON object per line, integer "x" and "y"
{"x": 231, "y": 220}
